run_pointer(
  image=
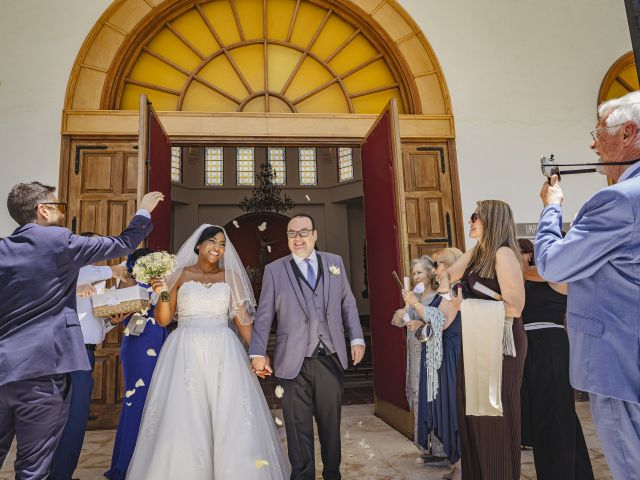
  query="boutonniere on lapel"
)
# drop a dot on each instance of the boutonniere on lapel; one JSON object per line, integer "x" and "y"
{"x": 334, "y": 269}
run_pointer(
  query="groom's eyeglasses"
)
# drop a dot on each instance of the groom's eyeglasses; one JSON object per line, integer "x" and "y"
{"x": 295, "y": 233}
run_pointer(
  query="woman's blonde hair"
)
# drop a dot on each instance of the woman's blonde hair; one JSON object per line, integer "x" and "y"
{"x": 427, "y": 263}
{"x": 448, "y": 256}
{"x": 499, "y": 231}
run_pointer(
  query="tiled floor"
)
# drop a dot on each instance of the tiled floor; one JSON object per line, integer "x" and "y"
{"x": 371, "y": 451}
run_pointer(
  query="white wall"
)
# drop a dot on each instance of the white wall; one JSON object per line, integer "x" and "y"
{"x": 39, "y": 41}
{"x": 523, "y": 77}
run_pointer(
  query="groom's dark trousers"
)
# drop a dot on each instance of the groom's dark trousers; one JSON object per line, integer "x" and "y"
{"x": 315, "y": 392}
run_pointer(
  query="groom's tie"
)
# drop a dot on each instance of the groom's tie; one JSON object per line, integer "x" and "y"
{"x": 311, "y": 274}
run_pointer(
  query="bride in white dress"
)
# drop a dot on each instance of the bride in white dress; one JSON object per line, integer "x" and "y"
{"x": 205, "y": 416}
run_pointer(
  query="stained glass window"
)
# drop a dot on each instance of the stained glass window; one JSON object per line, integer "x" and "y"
{"x": 277, "y": 162}
{"x": 213, "y": 166}
{"x": 307, "y": 166}
{"x": 345, "y": 164}
{"x": 176, "y": 164}
{"x": 246, "y": 167}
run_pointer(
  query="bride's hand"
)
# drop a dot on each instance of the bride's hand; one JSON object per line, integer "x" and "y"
{"x": 159, "y": 285}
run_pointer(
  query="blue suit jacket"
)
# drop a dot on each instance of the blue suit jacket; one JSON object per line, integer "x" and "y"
{"x": 600, "y": 259}
{"x": 39, "y": 327}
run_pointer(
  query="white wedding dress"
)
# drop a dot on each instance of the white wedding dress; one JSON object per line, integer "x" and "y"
{"x": 205, "y": 416}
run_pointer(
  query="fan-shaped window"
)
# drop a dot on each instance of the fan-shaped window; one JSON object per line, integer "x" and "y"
{"x": 261, "y": 56}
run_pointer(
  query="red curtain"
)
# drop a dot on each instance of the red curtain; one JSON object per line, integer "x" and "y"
{"x": 383, "y": 257}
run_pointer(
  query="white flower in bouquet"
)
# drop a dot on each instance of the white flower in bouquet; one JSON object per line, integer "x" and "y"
{"x": 154, "y": 265}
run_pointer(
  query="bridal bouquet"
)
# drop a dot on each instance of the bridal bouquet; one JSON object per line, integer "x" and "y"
{"x": 154, "y": 265}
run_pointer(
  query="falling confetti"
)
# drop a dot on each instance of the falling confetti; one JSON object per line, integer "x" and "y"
{"x": 279, "y": 391}
{"x": 278, "y": 422}
{"x": 261, "y": 463}
{"x": 362, "y": 443}
{"x": 128, "y": 404}
{"x": 126, "y": 332}
{"x": 419, "y": 460}
{"x": 152, "y": 320}
{"x": 140, "y": 383}
{"x": 130, "y": 393}
{"x": 371, "y": 454}
{"x": 360, "y": 423}
{"x": 151, "y": 353}
{"x": 307, "y": 197}
{"x": 347, "y": 437}
{"x": 262, "y": 227}
{"x": 269, "y": 248}
{"x": 236, "y": 224}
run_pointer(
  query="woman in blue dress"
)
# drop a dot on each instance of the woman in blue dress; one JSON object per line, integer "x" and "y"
{"x": 138, "y": 355}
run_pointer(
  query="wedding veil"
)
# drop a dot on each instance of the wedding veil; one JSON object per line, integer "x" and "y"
{"x": 235, "y": 275}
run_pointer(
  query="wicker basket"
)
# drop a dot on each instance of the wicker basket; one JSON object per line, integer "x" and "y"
{"x": 129, "y": 306}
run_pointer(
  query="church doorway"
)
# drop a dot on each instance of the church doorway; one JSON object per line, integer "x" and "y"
{"x": 291, "y": 74}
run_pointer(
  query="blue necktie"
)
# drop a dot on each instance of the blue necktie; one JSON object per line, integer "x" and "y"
{"x": 311, "y": 275}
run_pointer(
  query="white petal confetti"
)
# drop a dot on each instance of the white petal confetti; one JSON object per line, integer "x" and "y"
{"x": 360, "y": 423}
{"x": 128, "y": 404}
{"x": 261, "y": 463}
{"x": 362, "y": 443}
{"x": 140, "y": 383}
{"x": 347, "y": 436}
{"x": 371, "y": 454}
{"x": 236, "y": 224}
{"x": 269, "y": 248}
{"x": 307, "y": 197}
{"x": 130, "y": 393}
{"x": 279, "y": 391}
{"x": 420, "y": 460}
{"x": 262, "y": 227}
{"x": 151, "y": 353}
{"x": 126, "y": 332}
{"x": 278, "y": 422}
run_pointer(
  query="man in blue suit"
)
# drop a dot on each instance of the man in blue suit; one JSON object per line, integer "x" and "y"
{"x": 40, "y": 336}
{"x": 600, "y": 259}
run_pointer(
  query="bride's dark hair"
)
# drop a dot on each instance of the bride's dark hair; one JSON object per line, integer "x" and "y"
{"x": 206, "y": 234}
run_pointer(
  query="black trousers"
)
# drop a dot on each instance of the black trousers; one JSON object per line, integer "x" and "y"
{"x": 559, "y": 449}
{"x": 315, "y": 392}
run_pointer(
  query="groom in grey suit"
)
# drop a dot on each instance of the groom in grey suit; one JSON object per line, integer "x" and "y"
{"x": 309, "y": 293}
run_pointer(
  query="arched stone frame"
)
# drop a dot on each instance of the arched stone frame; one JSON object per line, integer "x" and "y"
{"x": 105, "y": 49}
{"x": 621, "y": 78}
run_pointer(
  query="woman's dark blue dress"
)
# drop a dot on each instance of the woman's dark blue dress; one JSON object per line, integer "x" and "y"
{"x": 440, "y": 415}
{"x": 136, "y": 364}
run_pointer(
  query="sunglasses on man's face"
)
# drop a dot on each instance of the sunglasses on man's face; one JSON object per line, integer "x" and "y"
{"x": 294, "y": 233}
{"x": 62, "y": 207}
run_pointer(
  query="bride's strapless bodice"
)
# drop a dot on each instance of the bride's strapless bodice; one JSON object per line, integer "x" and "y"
{"x": 204, "y": 304}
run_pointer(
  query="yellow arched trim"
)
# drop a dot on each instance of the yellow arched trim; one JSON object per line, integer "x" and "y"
{"x": 116, "y": 40}
{"x": 620, "y": 79}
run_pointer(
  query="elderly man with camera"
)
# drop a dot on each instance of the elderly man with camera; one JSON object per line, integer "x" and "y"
{"x": 600, "y": 259}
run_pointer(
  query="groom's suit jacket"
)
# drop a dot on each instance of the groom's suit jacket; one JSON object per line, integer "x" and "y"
{"x": 39, "y": 327}
{"x": 600, "y": 259}
{"x": 282, "y": 297}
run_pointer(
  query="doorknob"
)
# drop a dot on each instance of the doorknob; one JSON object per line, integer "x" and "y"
{"x": 448, "y": 239}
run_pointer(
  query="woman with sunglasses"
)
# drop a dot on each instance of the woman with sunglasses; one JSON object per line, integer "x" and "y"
{"x": 554, "y": 430}
{"x": 490, "y": 445}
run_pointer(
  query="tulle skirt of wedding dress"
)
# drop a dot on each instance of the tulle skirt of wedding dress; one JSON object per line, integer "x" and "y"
{"x": 206, "y": 416}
